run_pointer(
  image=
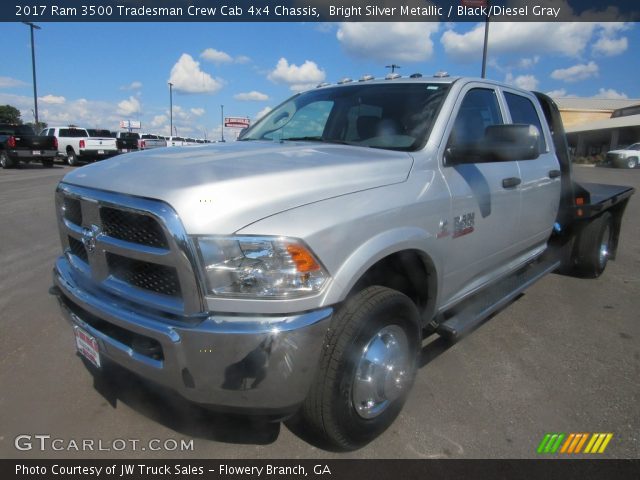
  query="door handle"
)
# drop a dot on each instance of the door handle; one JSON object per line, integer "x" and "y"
{"x": 554, "y": 173}
{"x": 511, "y": 182}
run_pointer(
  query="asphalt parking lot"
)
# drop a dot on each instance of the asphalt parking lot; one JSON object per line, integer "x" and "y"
{"x": 565, "y": 357}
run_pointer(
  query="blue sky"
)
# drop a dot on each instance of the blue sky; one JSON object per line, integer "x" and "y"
{"x": 94, "y": 74}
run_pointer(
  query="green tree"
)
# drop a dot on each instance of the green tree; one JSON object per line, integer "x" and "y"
{"x": 9, "y": 114}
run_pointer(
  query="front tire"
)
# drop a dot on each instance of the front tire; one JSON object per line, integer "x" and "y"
{"x": 632, "y": 162}
{"x": 367, "y": 368}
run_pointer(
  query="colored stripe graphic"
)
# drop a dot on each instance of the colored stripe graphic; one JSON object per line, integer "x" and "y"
{"x": 572, "y": 443}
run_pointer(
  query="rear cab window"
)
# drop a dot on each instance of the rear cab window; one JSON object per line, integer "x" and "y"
{"x": 523, "y": 111}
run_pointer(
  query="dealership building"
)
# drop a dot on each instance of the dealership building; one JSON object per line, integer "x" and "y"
{"x": 597, "y": 125}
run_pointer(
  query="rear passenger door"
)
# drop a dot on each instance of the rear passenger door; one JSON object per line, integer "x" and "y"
{"x": 482, "y": 233}
{"x": 540, "y": 187}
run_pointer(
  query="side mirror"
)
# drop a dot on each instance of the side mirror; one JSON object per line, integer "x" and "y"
{"x": 501, "y": 143}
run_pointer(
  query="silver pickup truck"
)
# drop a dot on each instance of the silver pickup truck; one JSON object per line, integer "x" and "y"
{"x": 298, "y": 269}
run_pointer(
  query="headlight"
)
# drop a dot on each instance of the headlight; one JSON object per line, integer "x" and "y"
{"x": 260, "y": 267}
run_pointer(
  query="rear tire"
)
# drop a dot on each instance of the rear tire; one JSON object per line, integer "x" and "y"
{"x": 367, "y": 368}
{"x": 6, "y": 161}
{"x": 593, "y": 246}
{"x": 72, "y": 158}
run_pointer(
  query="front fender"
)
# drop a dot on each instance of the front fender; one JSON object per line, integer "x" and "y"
{"x": 375, "y": 249}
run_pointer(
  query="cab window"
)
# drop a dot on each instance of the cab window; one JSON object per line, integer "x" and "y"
{"x": 523, "y": 111}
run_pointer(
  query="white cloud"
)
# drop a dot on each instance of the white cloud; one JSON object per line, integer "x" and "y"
{"x": 610, "y": 94}
{"x": 528, "y": 62}
{"x": 129, "y": 106}
{"x": 576, "y": 72}
{"x": 52, "y": 99}
{"x": 559, "y": 93}
{"x": 252, "y": 96}
{"x": 216, "y": 56}
{"x": 299, "y": 78}
{"x": 568, "y": 39}
{"x": 388, "y": 41}
{"x": 198, "y": 112}
{"x": 159, "y": 121}
{"x": 87, "y": 113}
{"x": 609, "y": 47}
{"x": 8, "y": 82}
{"x": 136, "y": 85}
{"x": 526, "y": 82}
{"x": 187, "y": 77}
{"x": 262, "y": 113}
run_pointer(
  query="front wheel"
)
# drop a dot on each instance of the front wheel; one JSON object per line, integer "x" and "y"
{"x": 367, "y": 368}
{"x": 632, "y": 162}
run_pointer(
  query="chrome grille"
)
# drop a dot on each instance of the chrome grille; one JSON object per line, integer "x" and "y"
{"x": 132, "y": 227}
{"x": 133, "y": 247}
{"x": 77, "y": 248}
{"x": 148, "y": 276}
{"x": 72, "y": 210}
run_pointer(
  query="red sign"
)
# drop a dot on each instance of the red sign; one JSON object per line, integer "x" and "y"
{"x": 237, "y": 122}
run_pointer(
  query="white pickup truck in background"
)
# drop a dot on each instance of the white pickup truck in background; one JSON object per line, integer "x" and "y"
{"x": 148, "y": 141}
{"x": 75, "y": 144}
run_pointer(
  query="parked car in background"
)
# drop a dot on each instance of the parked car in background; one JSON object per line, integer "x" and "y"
{"x": 20, "y": 143}
{"x": 628, "y": 157}
{"x": 76, "y": 144}
{"x": 127, "y": 141}
{"x": 175, "y": 142}
{"x": 148, "y": 141}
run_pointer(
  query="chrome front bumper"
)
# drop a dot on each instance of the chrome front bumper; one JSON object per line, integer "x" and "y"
{"x": 256, "y": 364}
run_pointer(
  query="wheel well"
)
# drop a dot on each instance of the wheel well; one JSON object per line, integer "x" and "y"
{"x": 70, "y": 149}
{"x": 410, "y": 272}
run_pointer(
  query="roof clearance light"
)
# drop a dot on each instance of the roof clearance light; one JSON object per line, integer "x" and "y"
{"x": 441, "y": 74}
{"x": 344, "y": 80}
{"x": 415, "y": 75}
{"x": 366, "y": 78}
{"x": 392, "y": 76}
{"x": 323, "y": 84}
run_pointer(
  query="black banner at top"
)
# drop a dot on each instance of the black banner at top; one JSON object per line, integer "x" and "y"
{"x": 319, "y": 10}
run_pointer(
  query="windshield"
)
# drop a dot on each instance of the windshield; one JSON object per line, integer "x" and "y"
{"x": 395, "y": 116}
{"x": 635, "y": 146}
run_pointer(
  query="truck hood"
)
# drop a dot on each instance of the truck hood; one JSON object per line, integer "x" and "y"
{"x": 219, "y": 189}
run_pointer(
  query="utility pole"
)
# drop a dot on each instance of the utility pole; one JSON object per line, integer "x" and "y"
{"x": 486, "y": 43}
{"x": 170, "y": 109}
{"x": 33, "y": 67}
{"x": 222, "y": 123}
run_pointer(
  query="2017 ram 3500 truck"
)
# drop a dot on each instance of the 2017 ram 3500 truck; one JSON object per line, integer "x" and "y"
{"x": 299, "y": 269}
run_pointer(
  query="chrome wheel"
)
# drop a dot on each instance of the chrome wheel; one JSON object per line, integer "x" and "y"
{"x": 632, "y": 163}
{"x": 603, "y": 252}
{"x": 383, "y": 372}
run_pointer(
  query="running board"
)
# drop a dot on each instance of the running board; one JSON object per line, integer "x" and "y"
{"x": 474, "y": 311}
